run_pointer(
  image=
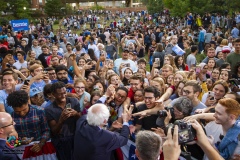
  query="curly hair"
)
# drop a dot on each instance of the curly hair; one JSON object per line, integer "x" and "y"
{"x": 57, "y": 85}
{"x": 17, "y": 98}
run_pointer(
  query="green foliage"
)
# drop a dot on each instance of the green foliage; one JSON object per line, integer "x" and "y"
{"x": 180, "y": 8}
{"x": 97, "y": 7}
{"x": 36, "y": 13}
{"x": 19, "y": 11}
{"x": 54, "y": 8}
{"x": 3, "y": 6}
{"x": 3, "y": 21}
{"x": 56, "y": 22}
{"x": 154, "y": 6}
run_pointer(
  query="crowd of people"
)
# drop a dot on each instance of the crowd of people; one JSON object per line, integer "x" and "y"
{"x": 170, "y": 88}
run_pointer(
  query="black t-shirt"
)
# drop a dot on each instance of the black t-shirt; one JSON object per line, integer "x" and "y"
{"x": 102, "y": 37}
{"x": 53, "y": 112}
{"x": 43, "y": 58}
{"x": 147, "y": 122}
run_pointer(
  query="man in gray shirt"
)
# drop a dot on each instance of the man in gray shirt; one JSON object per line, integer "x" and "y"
{"x": 191, "y": 90}
{"x": 191, "y": 58}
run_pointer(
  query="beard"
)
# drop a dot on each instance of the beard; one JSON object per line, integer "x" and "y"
{"x": 64, "y": 80}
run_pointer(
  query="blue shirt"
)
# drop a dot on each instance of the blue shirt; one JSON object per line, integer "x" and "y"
{"x": 235, "y": 32}
{"x": 230, "y": 141}
{"x": 237, "y": 18}
{"x": 39, "y": 85}
{"x": 201, "y": 36}
{"x": 3, "y": 100}
{"x": 69, "y": 82}
{"x": 213, "y": 19}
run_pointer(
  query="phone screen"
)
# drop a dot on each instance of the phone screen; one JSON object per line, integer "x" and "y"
{"x": 127, "y": 64}
{"x": 157, "y": 60}
{"x": 198, "y": 69}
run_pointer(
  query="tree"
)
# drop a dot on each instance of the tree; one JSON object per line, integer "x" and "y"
{"x": 3, "y": 6}
{"x": 20, "y": 9}
{"x": 180, "y": 8}
{"x": 154, "y": 6}
{"x": 54, "y": 8}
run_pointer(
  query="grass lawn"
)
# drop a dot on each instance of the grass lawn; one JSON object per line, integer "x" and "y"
{"x": 56, "y": 27}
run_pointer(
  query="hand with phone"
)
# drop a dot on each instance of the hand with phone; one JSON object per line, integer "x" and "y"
{"x": 157, "y": 61}
{"x": 211, "y": 100}
{"x": 198, "y": 70}
{"x": 122, "y": 65}
{"x": 26, "y": 86}
{"x": 65, "y": 115}
{"x": 45, "y": 76}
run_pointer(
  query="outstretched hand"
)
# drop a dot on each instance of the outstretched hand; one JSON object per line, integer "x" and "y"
{"x": 171, "y": 147}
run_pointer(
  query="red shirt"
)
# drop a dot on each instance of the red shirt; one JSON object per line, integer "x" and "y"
{"x": 131, "y": 94}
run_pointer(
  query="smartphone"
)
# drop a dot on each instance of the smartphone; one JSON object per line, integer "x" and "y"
{"x": 157, "y": 60}
{"x": 8, "y": 65}
{"x": 107, "y": 62}
{"x": 26, "y": 82}
{"x": 127, "y": 64}
{"x": 68, "y": 106}
{"x": 198, "y": 69}
{"x": 212, "y": 95}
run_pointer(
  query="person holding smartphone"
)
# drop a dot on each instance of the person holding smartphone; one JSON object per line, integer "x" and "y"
{"x": 219, "y": 89}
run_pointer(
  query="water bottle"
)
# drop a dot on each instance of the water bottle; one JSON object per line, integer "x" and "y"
{"x": 237, "y": 149}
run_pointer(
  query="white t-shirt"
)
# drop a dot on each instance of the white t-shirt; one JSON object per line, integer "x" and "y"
{"x": 19, "y": 65}
{"x": 118, "y": 61}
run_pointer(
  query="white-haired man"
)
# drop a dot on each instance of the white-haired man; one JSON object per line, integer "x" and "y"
{"x": 95, "y": 143}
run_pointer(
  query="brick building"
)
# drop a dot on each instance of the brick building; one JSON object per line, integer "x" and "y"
{"x": 37, "y": 4}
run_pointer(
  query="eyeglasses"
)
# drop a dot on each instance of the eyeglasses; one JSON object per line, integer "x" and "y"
{"x": 24, "y": 72}
{"x": 8, "y": 125}
{"x": 51, "y": 73}
{"x": 79, "y": 87}
{"x": 215, "y": 72}
{"x": 120, "y": 96}
{"x": 150, "y": 98}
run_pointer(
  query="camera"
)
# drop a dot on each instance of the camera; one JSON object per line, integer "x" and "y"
{"x": 112, "y": 104}
{"x": 186, "y": 133}
{"x": 163, "y": 113}
{"x": 8, "y": 65}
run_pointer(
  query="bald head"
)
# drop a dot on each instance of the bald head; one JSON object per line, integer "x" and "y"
{"x": 5, "y": 119}
{"x": 6, "y": 125}
{"x": 98, "y": 114}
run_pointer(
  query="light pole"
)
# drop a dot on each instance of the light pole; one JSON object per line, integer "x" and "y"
{"x": 24, "y": 8}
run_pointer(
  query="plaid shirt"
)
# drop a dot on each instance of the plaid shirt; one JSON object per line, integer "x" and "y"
{"x": 34, "y": 124}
